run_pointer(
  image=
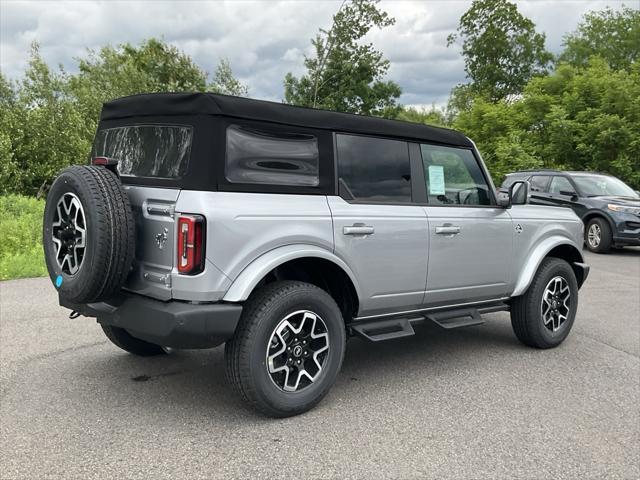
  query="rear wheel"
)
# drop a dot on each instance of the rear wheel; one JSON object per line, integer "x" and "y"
{"x": 544, "y": 315}
{"x": 597, "y": 235}
{"x": 124, "y": 340}
{"x": 288, "y": 348}
{"x": 88, "y": 234}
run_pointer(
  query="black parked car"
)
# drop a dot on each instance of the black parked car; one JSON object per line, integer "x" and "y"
{"x": 609, "y": 207}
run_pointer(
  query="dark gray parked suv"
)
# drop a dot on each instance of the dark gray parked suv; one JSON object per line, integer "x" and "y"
{"x": 609, "y": 208}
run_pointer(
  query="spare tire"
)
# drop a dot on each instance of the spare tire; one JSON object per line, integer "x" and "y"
{"x": 88, "y": 234}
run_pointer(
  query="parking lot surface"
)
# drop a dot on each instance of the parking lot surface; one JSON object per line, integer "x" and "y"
{"x": 467, "y": 403}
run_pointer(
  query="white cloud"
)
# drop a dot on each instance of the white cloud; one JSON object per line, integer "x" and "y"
{"x": 263, "y": 40}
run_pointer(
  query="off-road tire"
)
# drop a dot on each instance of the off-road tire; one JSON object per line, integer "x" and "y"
{"x": 526, "y": 310}
{"x": 606, "y": 237}
{"x": 245, "y": 353}
{"x": 110, "y": 234}
{"x": 122, "y": 339}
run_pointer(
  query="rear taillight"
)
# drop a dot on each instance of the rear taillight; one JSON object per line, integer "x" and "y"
{"x": 191, "y": 233}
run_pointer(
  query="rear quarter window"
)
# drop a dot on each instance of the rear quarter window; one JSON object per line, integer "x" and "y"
{"x": 256, "y": 156}
{"x": 160, "y": 151}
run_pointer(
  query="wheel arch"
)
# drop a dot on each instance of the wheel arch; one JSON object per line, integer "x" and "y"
{"x": 557, "y": 247}
{"x": 591, "y": 214}
{"x": 308, "y": 263}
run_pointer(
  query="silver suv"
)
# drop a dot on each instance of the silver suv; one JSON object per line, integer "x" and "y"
{"x": 281, "y": 231}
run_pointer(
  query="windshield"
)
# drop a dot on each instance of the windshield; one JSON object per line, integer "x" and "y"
{"x": 602, "y": 185}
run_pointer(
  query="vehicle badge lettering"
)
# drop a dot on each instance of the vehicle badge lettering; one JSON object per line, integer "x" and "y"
{"x": 161, "y": 238}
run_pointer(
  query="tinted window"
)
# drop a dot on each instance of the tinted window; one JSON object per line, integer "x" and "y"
{"x": 255, "y": 156}
{"x": 146, "y": 150}
{"x": 560, "y": 184}
{"x": 539, "y": 183}
{"x": 374, "y": 169}
{"x": 453, "y": 176}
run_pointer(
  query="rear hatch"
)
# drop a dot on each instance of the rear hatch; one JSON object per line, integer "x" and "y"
{"x": 150, "y": 158}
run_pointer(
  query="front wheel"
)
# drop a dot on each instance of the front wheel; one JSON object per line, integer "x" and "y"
{"x": 597, "y": 235}
{"x": 544, "y": 315}
{"x": 288, "y": 348}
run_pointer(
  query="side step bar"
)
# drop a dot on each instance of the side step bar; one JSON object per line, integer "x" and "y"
{"x": 456, "y": 318}
{"x": 379, "y": 330}
{"x": 376, "y": 330}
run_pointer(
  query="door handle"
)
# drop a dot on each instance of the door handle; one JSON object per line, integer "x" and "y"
{"x": 358, "y": 229}
{"x": 448, "y": 230}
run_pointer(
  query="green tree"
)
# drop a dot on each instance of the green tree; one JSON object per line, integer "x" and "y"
{"x": 611, "y": 35}
{"x": 153, "y": 66}
{"x": 502, "y": 50}
{"x": 43, "y": 129}
{"x": 225, "y": 82}
{"x": 432, "y": 116}
{"x": 8, "y": 119}
{"x": 346, "y": 74}
{"x": 48, "y": 119}
{"x": 574, "y": 119}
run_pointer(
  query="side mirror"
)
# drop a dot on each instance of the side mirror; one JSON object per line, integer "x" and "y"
{"x": 518, "y": 194}
{"x": 569, "y": 193}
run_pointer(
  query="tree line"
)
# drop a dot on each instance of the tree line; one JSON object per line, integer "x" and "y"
{"x": 525, "y": 107}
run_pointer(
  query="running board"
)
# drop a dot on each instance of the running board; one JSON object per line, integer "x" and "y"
{"x": 379, "y": 330}
{"x": 456, "y": 318}
{"x": 400, "y": 325}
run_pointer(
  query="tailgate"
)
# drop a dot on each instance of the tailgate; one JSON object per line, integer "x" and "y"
{"x": 153, "y": 209}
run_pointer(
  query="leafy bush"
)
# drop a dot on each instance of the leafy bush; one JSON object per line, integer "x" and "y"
{"x": 21, "y": 231}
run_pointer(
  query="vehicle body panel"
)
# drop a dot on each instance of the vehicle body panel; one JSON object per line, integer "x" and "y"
{"x": 153, "y": 210}
{"x": 241, "y": 227}
{"x": 258, "y": 268}
{"x": 390, "y": 263}
{"x": 541, "y": 230}
{"x": 473, "y": 264}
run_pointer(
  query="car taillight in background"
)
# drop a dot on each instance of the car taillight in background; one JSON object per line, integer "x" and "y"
{"x": 191, "y": 233}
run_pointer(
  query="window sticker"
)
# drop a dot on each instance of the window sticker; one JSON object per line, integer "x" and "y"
{"x": 436, "y": 180}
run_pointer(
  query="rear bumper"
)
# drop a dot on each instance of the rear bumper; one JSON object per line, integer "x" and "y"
{"x": 171, "y": 324}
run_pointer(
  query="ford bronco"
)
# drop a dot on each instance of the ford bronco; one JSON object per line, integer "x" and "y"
{"x": 281, "y": 231}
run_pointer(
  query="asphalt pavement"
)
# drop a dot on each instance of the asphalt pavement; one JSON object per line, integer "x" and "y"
{"x": 467, "y": 403}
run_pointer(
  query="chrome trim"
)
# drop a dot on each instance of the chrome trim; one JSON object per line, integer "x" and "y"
{"x": 429, "y": 309}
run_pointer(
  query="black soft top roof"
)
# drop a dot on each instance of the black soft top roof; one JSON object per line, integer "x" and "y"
{"x": 165, "y": 104}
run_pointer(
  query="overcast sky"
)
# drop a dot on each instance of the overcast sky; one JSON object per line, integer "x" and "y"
{"x": 265, "y": 39}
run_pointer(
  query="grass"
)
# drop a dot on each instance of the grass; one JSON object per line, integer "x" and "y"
{"x": 21, "y": 253}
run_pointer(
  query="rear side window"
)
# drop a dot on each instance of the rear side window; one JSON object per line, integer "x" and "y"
{"x": 160, "y": 151}
{"x": 261, "y": 157}
{"x": 560, "y": 184}
{"x": 374, "y": 169}
{"x": 453, "y": 177}
{"x": 539, "y": 183}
